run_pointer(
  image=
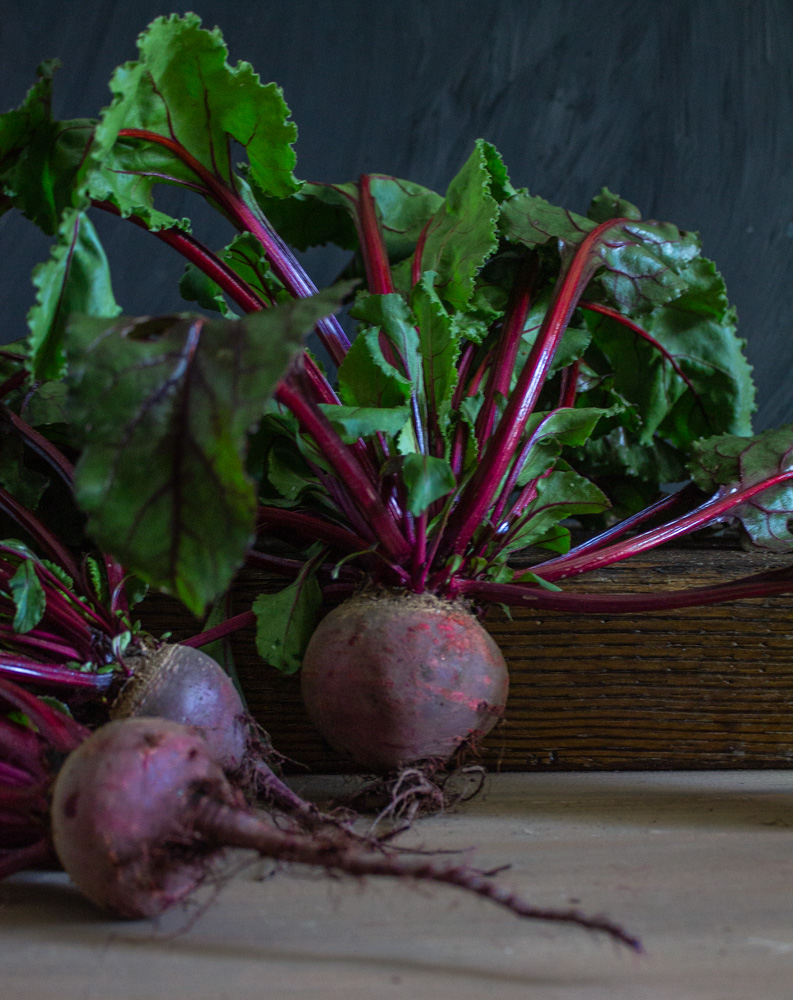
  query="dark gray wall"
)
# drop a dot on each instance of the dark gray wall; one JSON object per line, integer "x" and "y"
{"x": 683, "y": 106}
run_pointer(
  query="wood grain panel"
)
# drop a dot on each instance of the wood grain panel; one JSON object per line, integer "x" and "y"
{"x": 697, "y": 688}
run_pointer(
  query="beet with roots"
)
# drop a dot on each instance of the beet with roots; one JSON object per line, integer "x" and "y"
{"x": 184, "y": 685}
{"x": 141, "y": 811}
{"x": 395, "y": 679}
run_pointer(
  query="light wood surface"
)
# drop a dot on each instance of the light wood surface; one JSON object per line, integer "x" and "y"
{"x": 699, "y": 864}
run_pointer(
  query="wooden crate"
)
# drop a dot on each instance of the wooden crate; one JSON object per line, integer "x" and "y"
{"x": 697, "y": 688}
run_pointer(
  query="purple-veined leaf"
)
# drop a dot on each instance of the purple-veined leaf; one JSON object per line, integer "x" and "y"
{"x": 560, "y": 495}
{"x": 734, "y": 464}
{"x": 319, "y": 214}
{"x": 165, "y": 406}
{"x": 639, "y": 262}
{"x": 683, "y": 367}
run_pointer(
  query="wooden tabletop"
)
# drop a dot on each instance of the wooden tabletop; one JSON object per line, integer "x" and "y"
{"x": 699, "y": 864}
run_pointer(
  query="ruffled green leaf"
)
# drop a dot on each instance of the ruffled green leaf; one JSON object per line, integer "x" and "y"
{"x": 689, "y": 378}
{"x": 462, "y": 232}
{"x": 439, "y": 345}
{"x": 638, "y": 262}
{"x": 183, "y": 89}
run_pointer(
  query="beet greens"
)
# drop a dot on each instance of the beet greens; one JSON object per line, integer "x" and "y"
{"x": 514, "y": 365}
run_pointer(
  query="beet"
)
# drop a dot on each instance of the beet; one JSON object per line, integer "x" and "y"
{"x": 182, "y": 684}
{"x": 141, "y": 811}
{"x": 395, "y": 679}
{"x": 185, "y": 685}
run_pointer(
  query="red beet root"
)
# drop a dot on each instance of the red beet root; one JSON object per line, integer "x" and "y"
{"x": 394, "y": 680}
{"x": 185, "y": 685}
{"x": 140, "y": 811}
{"x": 182, "y": 684}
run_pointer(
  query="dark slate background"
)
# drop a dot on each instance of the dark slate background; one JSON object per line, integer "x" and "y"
{"x": 682, "y": 106}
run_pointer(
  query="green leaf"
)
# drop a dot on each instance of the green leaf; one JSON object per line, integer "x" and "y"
{"x": 570, "y": 426}
{"x": 426, "y": 479}
{"x": 639, "y": 262}
{"x": 366, "y": 379}
{"x": 572, "y": 345}
{"x": 608, "y": 205}
{"x": 288, "y": 472}
{"x": 195, "y": 286}
{"x": 246, "y": 257}
{"x": 732, "y": 462}
{"x": 500, "y": 186}
{"x": 462, "y": 233}
{"x": 560, "y": 495}
{"x": 286, "y": 622}
{"x": 526, "y": 576}
{"x": 28, "y": 596}
{"x": 76, "y": 279}
{"x": 691, "y": 379}
{"x": 315, "y": 215}
{"x": 439, "y": 346}
{"x": 325, "y": 213}
{"x": 165, "y": 406}
{"x": 390, "y": 315}
{"x": 535, "y": 222}
{"x": 183, "y": 89}
{"x": 44, "y": 164}
{"x": 97, "y": 578}
{"x": 404, "y": 208}
{"x": 353, "y": 422}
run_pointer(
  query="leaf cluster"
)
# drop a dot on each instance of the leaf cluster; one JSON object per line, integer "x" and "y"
{"x": 514, "y": 364}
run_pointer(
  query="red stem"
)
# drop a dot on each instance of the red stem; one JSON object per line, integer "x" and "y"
{"x": 714, "y": 509}
{"x": 26, "y": 671}
{"x": 245, "y": 620}
{"x": 569, "y": 387}
{"x": 375, "y": 258}
{"x": 479, "y": 493}
{"x": 516, "y": 595}
{"x": 507, "y": 348}
{"x": 415, "y": 268}
{"x": 30, "y": 524}
{"x": 238, "y": 290}
{"x": 685, "y": 495}
{"x": 350, "y": 471}
{"x": 311, "y": 527}
{"x": 283, "y": 262}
